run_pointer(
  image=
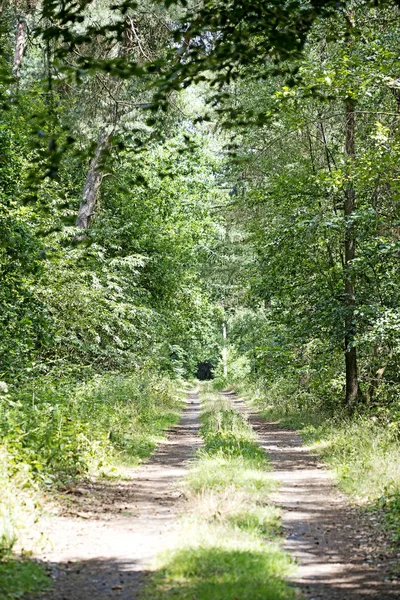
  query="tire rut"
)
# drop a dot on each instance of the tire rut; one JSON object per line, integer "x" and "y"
{"x": 121, "y": 526}
{"x": 334, "y": 544}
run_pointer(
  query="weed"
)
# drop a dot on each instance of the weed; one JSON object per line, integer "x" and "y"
{"x": 54, "y": 430}
{"x": 262, "y": 521}
{"x": 62, "y": 429}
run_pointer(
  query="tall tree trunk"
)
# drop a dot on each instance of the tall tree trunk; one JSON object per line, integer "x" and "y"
{"x": 20, "y": 44}
{"x": 92, "y": 184}
{"x": 350, "y": 351}
{"x": 224, "y": 351}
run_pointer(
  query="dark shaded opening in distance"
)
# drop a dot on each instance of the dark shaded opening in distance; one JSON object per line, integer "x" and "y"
{"x": 204, "y": 371}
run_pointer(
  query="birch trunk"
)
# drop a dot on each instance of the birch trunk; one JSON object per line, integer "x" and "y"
{"x": 224, "y": 352}
{"x": 20, "y": 45}
{"x": 92, "y": 184}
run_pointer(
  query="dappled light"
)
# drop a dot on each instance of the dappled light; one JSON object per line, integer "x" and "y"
{"x": 108, "y": 527}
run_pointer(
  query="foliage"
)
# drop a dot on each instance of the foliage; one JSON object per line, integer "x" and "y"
{"x": 239, "y": 369}
{"x": 18, "y": 513}
{"x": 52, "y": 431}
{"x": 299, "y": 322}
{"x": 60, "y": 428}
{"x": 224, "y": 202}
{"x": 129, "y": 292}
{"x": 94, "y": 327}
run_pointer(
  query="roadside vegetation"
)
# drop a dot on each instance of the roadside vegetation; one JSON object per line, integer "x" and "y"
{"x": 362, "y": 447}
{"x": 232, "y": 545}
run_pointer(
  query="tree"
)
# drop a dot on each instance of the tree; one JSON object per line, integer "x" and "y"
{"x": 302, "y": 174}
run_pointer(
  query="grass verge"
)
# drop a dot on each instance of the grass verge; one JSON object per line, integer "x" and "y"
{"x": 21, "y": 577}
{"x": 231, "y": 549}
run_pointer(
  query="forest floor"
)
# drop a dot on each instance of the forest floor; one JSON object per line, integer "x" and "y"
{"x": 109, "y": 532}
{"x": 105, "y": 540}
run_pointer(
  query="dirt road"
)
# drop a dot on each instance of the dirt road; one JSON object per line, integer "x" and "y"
{"x": 337, "y": 547}
{"x": 109, "y": 536}
{"x": 107, "y": 539}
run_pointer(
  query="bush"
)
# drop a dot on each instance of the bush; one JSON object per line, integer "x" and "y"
{"x": 57, "y": 427}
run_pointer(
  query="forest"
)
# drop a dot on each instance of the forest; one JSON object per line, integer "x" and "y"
{"x": 198, "y": 191}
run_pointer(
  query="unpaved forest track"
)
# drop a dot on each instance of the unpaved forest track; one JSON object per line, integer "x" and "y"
{"x": 105, "y": 549}
{"x": 334, "y": 544}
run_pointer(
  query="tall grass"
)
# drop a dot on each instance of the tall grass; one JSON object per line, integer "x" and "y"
{"x": 61, "y": 429}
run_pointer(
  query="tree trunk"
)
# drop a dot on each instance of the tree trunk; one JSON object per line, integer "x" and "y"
{"x": 92, "y": 183}
{"x": 224, "y": 351}
{"x": 20, "y": 44}
{"x": 352, "y": 388}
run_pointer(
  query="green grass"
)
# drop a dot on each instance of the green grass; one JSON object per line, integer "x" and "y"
{"x": 231, "y": 548}
{"x": 224, "y": 566}
{"x": 262, "y": 521}
{"x": 20, "y": 577}
{"x": 233, "y": 473}
{"x": 230, "y": 458}
{"x": 61, "y": 428}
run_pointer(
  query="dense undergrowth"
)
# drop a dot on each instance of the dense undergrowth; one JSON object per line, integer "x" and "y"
{"x": 232, "y": 548}
{"x": 363, "y": 448}
{"x": 52, "y": 431}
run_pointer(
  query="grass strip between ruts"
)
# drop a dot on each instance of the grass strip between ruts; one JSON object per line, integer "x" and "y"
{"x": 228, "y": 545}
